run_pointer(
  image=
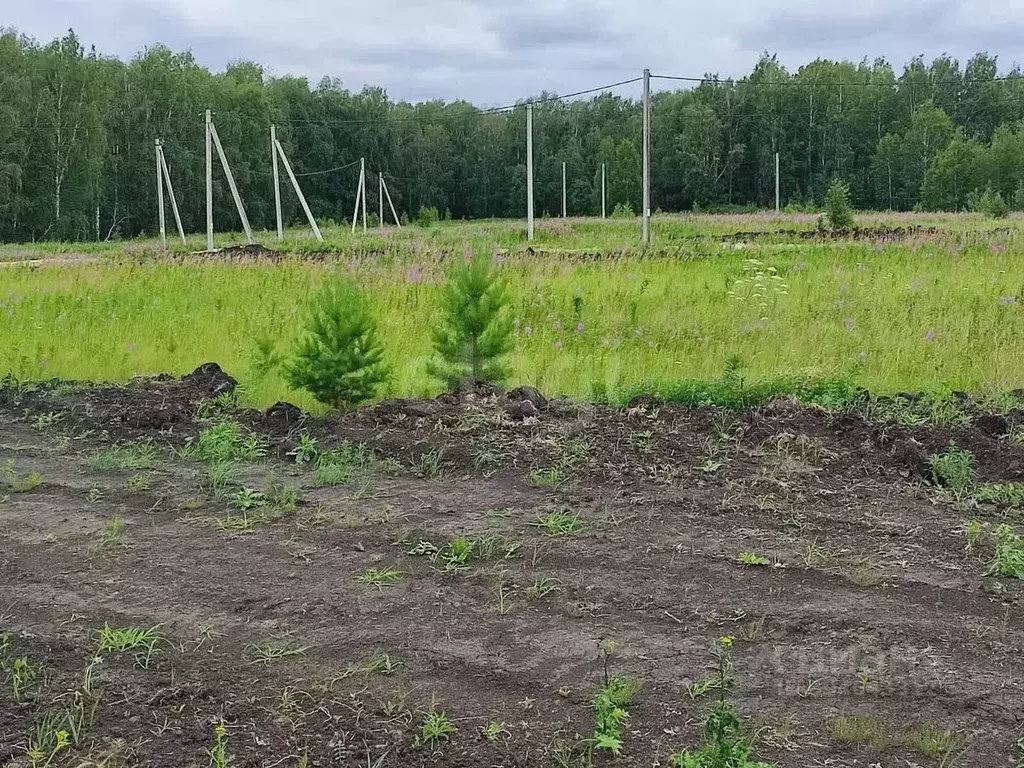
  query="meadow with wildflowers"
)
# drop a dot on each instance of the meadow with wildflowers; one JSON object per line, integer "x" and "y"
{"x": 935, "y": 306}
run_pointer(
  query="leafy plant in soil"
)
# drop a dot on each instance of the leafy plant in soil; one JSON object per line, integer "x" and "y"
{"x": 1009, "y": 557}
{"x": 610, "y": 704}
{"x": 476, "y": 330}
{"x": 218, "y": 753}
{"x": 954, "y": 470}
{"x": 225, "y": 442}
{"x": 436, "y": 726}
{"x": 725, "y": 743}
{"x": 341, "y": 359}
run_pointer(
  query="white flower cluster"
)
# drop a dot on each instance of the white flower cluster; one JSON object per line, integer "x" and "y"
{"x": 760, "y": 286}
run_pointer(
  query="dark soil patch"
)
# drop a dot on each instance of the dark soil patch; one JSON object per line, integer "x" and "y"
{"x": 873, "y": 606}
{"x": 874, "y": 234}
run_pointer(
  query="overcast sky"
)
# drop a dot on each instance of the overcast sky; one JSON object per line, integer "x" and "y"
{"x": 495, "y": 51}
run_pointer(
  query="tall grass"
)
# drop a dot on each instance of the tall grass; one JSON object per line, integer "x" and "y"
{"x": 939, "y": 312}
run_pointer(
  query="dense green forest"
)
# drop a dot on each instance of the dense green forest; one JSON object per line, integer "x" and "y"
{"x": 77, "y": 131}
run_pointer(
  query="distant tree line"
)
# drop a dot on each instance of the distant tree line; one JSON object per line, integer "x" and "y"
{"x": 77, "y": 131}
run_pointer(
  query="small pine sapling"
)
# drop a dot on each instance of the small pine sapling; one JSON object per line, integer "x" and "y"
{"x": 476, "y": 330}
{"x": 341, "y": 359}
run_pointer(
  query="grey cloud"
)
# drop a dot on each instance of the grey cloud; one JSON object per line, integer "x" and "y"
{"x": 497, "y": 51}
{"x": 524, "y": 29}
{"x": 822, "y": 26}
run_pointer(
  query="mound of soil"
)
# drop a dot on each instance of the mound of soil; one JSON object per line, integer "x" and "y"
{"x": 878, "y": 234}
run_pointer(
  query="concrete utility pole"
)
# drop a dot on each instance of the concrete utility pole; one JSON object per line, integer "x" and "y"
{"x": 604, "y": 192}
{"x": 646, "y": 213}
{"x": 279, "y": 150}
{"x": 170, "y": 192}
{"x": 160, "y": 197}
{"x": 209, "y": 182}
{"x": 777, "y": 197}
{"x": 359, "y": 194}
{"x": 380, "y": 199}
{"x": 362, "y": 177}
{"x": 277, "y": 182}
{"x": 231, "y": 185}
{"x": 563, "y": 192}
{"x": 391, "y": 204}
{"x": 529, "y": 171}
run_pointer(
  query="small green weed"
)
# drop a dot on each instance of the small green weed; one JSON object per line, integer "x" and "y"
{"x": 924, "y": 739}
{"x": 431, "y": 465}
{"x": 547, "y": 477}
{"x": 495, "y": 731}
{"x": 974, "y": 530}
{"x": 559, "y": 523}
{"x": 137, "y": 482}
{"x": 340, "y": 465}
{"x": 380, "y": 577}
{"x": 281, "y": 499}
{"x": 505, "y": 594}
{"x": 125, "y": 456}
{"x": 22, "y": 675}
{"x": 16, "y": 483}
{"x": 726, "y": 745}
{"x": 248, "y": 520}
{"x": 610, "y": 704}
{"x": 123, "y": 639}
{"x": 306, "y": 452}
{"x": 436, "y": 726}
{"x": 218, "y": 753}
{"x": 225, "y": 442}
{"x": 542, "y": 587}
{"x": 1009, "y": 555}
{"x": 1006, "y": 494}
{"x": 247, "y": 498}
{"x": 218, "y": 406}
{"x": 221, "y": 477}
{"x": 954, "y": 471}
{"x": 44, "y": 421}
{"x": 379, "y": 663}
{"x": 749, "y": 558}
{"x": 266, "y": 654}
{"x": 459, "y": 552}
{"x": 47, "y": 742}
{"x": 710, "y": 466}
{"x": 564, "y": 466}
{"x": 113, "y": 532}
{"x": 1004, "y": 545}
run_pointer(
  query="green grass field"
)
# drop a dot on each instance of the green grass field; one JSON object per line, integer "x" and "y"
{"x": 595, "y": 316}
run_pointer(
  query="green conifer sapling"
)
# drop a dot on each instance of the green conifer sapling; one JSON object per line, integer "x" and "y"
{"x": 476, "y": 330}
{"x": 341, "y": 359}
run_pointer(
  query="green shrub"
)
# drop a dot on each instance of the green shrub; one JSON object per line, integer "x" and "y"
{"x": 476, "y": 330}
{"x": 838, "y": 211}
{"x": 623, "y": 211}
{"x": 990, "y": 203}
{"x": 341, "y": 359}
{"x": 1018, "y": 197}
{"x": 427, "y": 216}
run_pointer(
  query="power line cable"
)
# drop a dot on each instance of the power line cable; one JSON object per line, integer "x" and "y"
{"x": 476, "y": 113}
{"x": 715, "y": 80}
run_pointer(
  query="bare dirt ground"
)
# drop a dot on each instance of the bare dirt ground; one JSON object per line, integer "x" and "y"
{"x": 870, "y": 611}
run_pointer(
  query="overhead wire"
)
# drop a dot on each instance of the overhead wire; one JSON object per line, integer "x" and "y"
{"x": 476, "y": 113}
{"x": 715, "y": 80}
